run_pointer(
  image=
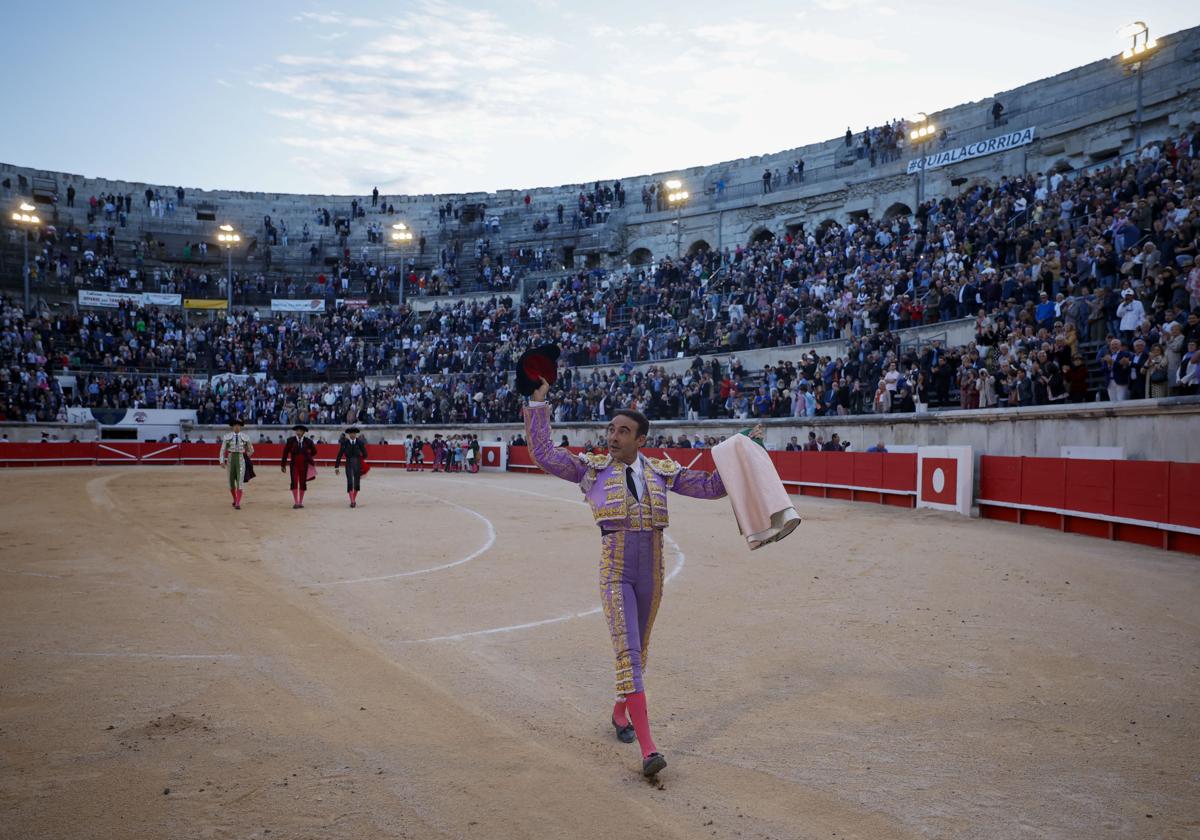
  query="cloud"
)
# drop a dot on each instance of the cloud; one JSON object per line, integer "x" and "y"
{"x": 418, "y": 97}
{"x": 335, "y": 19}
{"x": 824, "y": 46}
{"x": 440, "y": 97}
{"x": 864, "y": 7}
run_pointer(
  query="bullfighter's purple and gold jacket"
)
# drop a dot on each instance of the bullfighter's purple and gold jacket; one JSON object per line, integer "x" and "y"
{"x": 603, "y": 481}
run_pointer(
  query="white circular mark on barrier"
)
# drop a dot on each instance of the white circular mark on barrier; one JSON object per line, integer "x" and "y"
{"x": 939, "y": 480}
{"x": 491, "y": 540}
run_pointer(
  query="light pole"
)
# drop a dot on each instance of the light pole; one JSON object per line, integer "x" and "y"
{"x": 676, "y": 198}
{"x": 919, "y": 136}
{"x": 229, "y": 237}
{"x": 1134, "y": 56}
{"x": 400, "y": 235}
{"x": 26, "y": 220}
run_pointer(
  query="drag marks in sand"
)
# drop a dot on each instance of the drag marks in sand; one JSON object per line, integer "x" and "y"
{"x": 488, "y": 543}
{"x": 679, "y": 557}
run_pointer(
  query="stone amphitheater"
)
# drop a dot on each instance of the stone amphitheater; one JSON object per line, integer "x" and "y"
{"x": 1082, "y": 118}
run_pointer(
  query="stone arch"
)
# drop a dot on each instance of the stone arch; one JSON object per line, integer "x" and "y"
{"x": 640, "y": 256}
{"x": 1060, "y": 165}
{"x": 698, "y": 247}
{"x": 761, "y": 235}
{"x": 898, "y": 208}
{"x": 823, "y": 228}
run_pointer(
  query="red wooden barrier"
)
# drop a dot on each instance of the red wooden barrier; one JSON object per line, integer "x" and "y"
{"x": 1140, "y": 489}
{"x": 47, "y": 454}
{"x": 109, "y": 453}
{"x": 883, "y": 478}
{"x": 1183, "y": 495}
{"x": 1154, "y": 503}
{"x": 1000, "y": 478}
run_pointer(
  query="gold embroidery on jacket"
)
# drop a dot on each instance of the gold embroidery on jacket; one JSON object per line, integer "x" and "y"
{"x": 595, "y": 462}
{"x": 615, "y": 499}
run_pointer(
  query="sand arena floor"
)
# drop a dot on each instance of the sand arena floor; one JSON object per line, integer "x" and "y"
{"x": 434, "y": 665}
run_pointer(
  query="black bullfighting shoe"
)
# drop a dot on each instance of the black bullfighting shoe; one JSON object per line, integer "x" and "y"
{"x": 625, "y": 734}
{"x": 653, "y": 764}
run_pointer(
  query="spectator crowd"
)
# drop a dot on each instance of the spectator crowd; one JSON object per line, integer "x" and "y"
{"x": 1082, "y": 285}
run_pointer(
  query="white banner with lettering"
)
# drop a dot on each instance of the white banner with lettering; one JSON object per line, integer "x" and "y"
{"x": 281, "y": 305}
{"x": 1012, "y": 140}
{"x": 108, "y": 299}
{"x": 161, "y": 299}
{"x": 132, "y": 416}
{"x": 114, "y": 299}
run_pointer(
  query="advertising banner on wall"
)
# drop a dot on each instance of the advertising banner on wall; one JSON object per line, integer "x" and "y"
{"x": 1012, "y": 140}
{"x": 89, "y": 297}
{"x": 201, "y": 303}
{"x": 236, "y": 378}
{"x": 131, "y": 416}
{"x": 284, "y": 305}
{"x": 107, "y": 299}
{"x": 161, "y": 299}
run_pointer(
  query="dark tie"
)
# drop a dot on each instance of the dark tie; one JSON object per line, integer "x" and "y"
{"x": 630, "y": 484}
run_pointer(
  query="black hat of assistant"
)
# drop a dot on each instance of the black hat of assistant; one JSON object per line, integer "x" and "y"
{"x": 353, "y": 430}
{"x": 537, "y": 363}
{"x": 237, "y": 421}
{"x": 299, "y": 427}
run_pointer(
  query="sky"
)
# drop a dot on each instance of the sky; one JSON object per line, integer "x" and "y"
{"x": 457, "y": 96}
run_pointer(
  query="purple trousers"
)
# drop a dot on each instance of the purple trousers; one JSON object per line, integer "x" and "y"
{"x": 631, "y": 584}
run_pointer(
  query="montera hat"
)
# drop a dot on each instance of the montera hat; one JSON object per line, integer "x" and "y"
{"x": 299, "y": 427}
{"x": 534, "y": 364}
{"x": 353, "y": 430}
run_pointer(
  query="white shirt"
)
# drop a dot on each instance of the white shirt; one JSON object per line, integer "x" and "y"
{"x": 639, "y": 476}
{"x": 1131, "y": 313}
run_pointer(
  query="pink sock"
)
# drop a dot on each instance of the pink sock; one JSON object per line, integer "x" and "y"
{"x": 301, "y": 497}
{"x": 636, "y": 704}
{"x": 619, "y": 715}
{"x": 296, "y": 496}
{"x": 237, "y": 497}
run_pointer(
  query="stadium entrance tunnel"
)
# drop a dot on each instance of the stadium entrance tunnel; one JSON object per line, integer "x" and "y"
{"x": 761, "y": 235}
{"x": 698, "y": 247}
{"x": 896, "y": 210}
{"x": 640, "y": 256}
